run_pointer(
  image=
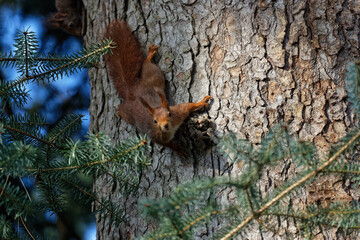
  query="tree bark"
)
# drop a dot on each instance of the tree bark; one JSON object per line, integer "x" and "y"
{"x": 263, "y": 62}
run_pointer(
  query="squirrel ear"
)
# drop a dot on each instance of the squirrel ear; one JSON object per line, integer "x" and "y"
{"x": 164, "y": 102}
{"x": 150, "y": 109}
{"x": 55, "y": 20}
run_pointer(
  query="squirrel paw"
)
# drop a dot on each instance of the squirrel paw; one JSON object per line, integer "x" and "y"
{"x": 204, "y": 101}
{"x": 151, "y": 52}
{"x": 152, "y": 48}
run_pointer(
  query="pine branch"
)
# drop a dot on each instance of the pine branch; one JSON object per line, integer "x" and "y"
{"x": 26, "y": 191}
{"x": 64, "y": 128}
{"x": 27, "y": 229}
{"x": 142, "y": 143}
{"x": 30, "y": 135}
{"x": 332, "y": 212}
{"x": 14, "y": 202}
{"x": 86, "y": 193}
{"x": 6, "y": 228}
{"x": 342, "y": 171}
{"x": 76, "y": 61}
{"x": 352, "y": 82}
{"x": 188, "y": 226}
{"x": 8, "y": 60}
{"x": 292, "y": 187}
{"x": 4, "y": 187}
{"x": 59, "y": 165}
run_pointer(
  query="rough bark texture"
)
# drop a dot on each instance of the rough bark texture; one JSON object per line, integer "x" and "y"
{"x": 262, "y": 62}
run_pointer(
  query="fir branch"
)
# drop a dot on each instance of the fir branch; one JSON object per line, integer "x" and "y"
{"x": 26, "y": 228}
{"x": 180, "y": 232}
{"x": 68, "y": 126}
{"x": 119, "y": 180}
{"x": 24, "y": 150}
{"x": 8, "y": 60}
{"x": 4, "y": 187}
{"x": 357, "y": 227}
{"x": 86, "y": 193}
{"x": 20, "y": 207}
{"x": 32, "y": 120}
{"x": 26, "y": 56}
{"x": 27, "y": 193}
{"x": 108, "y": 45}
{"x": 314, "y": 217}
{"x": 142, "y": 143}
{"x": 352, "y": 82}
{"x": 6, "y": 228}
{"x": 26, "y": 45}
{"x": 15, "y": 156}
{"x": 200, "y": 218}
{"x": 342, "y": 171}
{"x": 30, "y": 135}
{"x": 311, "y": 215}
{"x": 290, "y": 188}
{"x": 164, "y": 235}
{"x": 334, "y": 212}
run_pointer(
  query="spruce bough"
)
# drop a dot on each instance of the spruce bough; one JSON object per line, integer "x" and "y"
{"x": 61, "y": 167}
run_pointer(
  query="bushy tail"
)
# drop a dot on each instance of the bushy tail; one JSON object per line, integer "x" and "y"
{"x": 124, "y": 64}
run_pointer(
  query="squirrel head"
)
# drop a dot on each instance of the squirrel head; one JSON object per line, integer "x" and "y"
{"x": 161, "y": 115}
{"x": 69, "y": 22}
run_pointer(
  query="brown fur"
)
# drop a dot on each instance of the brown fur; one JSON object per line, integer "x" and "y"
{"x": 68, "y": 18}
{"x": 141, "y": 84}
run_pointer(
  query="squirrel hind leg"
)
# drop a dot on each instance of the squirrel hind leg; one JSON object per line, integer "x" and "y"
{"x": 151, "y": 52}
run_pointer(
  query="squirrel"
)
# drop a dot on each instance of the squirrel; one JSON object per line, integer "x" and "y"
{"x": 70, "y": 17}
{"x": 141, "y": 85}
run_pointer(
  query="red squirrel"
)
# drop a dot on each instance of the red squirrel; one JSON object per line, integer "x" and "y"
{"x": 140, "y": 83}
{"x": 70, "y": 17}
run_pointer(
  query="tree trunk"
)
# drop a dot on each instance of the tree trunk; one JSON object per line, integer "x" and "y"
{"x": 262, "y": 62}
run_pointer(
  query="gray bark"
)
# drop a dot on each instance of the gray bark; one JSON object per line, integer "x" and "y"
{"x": 261, "y": 61}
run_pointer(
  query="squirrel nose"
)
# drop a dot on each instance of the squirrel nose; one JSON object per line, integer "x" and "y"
{"x": 166, "y": 126}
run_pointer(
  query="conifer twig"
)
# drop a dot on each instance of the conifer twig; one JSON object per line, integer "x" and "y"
{"x": 3, "y": 189}
{"x": 26, "y": 55}
{"x": 187, "y": 227}
{"x": 142, "y": 143}
{"x": 290, "y": 188}
{"x": 30, "y": 135}
{"x": 192, "y": 223}
{"x": 68, "y": 126}
{"x": 85, "y": 192}
{"x": 342, "y": 171}
{"x": 27, "y": 193}
{"x": 26, "y": 228}
{"x": 335, "y": 212}
{"x": 60, "y": 67}
{"x": 117, "y": 178}
{"x": 11, "y": 197}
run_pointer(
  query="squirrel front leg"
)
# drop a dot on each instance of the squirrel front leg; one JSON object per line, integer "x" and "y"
{"x": 183, "y": 110}
{"x": 151, "y": 52}
{"x": 192, "y": 107}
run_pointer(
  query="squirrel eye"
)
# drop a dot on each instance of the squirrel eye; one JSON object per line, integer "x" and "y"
{"x": 155, "y": 121}
{"x": 169, "y": 114}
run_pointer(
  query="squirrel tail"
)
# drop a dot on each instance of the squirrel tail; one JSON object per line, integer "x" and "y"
{"x": 125, "y": 62}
